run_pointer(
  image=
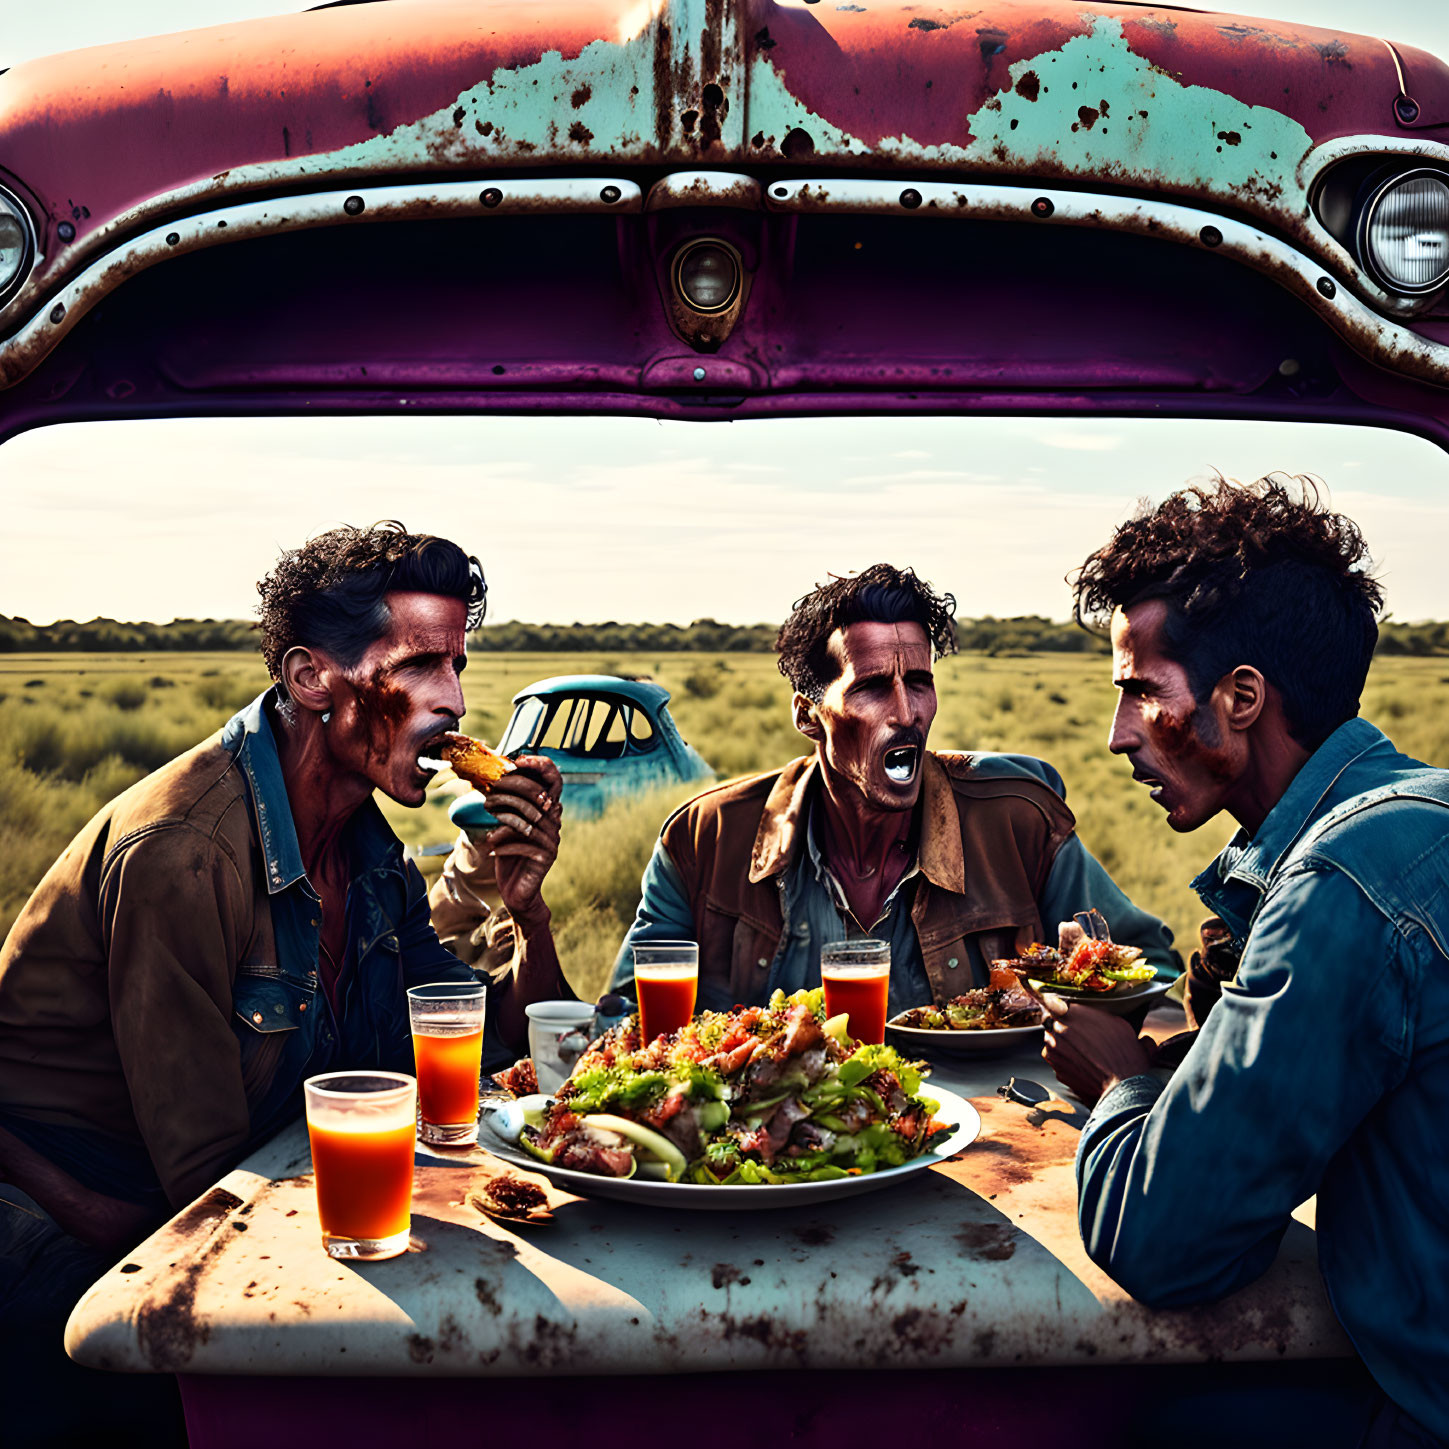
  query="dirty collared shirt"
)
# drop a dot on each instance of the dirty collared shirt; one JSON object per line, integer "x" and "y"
{"x": 1323, "y": 1068}
{"x": 814, "y": 913}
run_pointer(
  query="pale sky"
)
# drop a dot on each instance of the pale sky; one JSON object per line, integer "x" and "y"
{"x": 28, "y": 28}
{"x": 631, "y": 519}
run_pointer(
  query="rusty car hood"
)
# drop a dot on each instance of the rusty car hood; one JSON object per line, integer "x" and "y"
{"x": 1199, "y": 104}
{"x": 213, "y": 188}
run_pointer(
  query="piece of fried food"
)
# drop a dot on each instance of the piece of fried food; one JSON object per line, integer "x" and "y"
{"x": 474, "y": 762}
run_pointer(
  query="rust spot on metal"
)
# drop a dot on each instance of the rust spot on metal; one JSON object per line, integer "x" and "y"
{"x": 797, "y": 145}
{"x": 921, "y": 23}
{"x": 991, "y": 1242}
{"x": 714, "y": 109}
{"x": 664, "y": 88}
{"x": 1334, "y": 52}
{"x": 205, "y": 1212}
{"x": 991, "y": 42}
{"x": 1086, "y": 117}
{"x": 764, "y": 1330}
{"x": 926, "y": 1330}
{"x": 1230, "y": 138}
{"x": 486, "y": 1296}
{"x": 1014, "y": 1147}
{"x": 420, "y": 1349}
{"x": 580, "y": 96}
{"x": 580, "y": 133}
{"x": 552, "y": 1344}
{"x": 764, "y": 40}
{"x": 168, "y": 1329}
{"x": 724, "y": 1274}
{"x": 815, "y": 1235}
{"x": 1028, "y": 85}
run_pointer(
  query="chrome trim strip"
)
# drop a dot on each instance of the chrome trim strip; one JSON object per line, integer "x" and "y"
{"x": 1384, "y": 342}
{"x": 705, "y": 188}
{"x": 25, "y": 349}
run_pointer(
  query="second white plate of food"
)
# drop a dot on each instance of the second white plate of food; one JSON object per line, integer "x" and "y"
{"x": 963, "y": 1043}
{"x": 1119, "y": 1002}
{"x": 742, "y": 1197}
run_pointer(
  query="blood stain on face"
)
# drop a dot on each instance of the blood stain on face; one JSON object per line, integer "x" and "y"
{"x": 381, "y": 709}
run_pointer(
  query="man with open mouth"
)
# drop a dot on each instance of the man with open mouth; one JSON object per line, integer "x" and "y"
{"x": 953, "y": 859}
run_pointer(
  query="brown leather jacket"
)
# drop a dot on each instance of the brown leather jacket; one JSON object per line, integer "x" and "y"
{"x": 160, "y": 988}
{"x": 987, "y": 845}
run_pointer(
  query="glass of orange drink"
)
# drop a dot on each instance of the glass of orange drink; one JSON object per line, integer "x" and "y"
{"x": 666, "y": 977}
{"x": 856, "y": 976}
{"x": 361, "y": 1126}
{"x": 447, "y": 1024}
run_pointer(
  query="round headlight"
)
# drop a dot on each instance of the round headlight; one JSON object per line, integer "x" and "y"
{"x": 1403, "y": 232}
{"x": 707, "y": 275}
{"x": 17, "y": 244}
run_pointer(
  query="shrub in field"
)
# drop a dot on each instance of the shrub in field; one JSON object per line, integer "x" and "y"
{"x": 226, "y": 692}
{"x": 703, "y": 683}
{"x": 127, "y": 696}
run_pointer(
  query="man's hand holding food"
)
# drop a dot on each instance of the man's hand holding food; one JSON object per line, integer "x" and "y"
{"x": 523, "y": 795}
{"x": 524, "y": 843}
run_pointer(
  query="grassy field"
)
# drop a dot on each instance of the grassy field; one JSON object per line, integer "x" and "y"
{"x": 76, "y": 729}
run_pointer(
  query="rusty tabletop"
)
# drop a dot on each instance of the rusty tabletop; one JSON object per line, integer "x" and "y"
{"x": 976, "y": 1261}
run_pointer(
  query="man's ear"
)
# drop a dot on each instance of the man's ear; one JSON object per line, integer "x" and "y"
{"x": 1241, "y": 696}
{"x": 306, "y": 677}
{"x": 806, "y": 720}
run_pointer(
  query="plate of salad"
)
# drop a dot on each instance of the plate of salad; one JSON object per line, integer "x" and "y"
{"x": 1088, "y": 966}
{"x": 760, "y": 1107}
{"x": 991, "y": 1018}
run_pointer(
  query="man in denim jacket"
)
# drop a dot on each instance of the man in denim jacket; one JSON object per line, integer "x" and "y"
{"x": 1242, "y": 626}
{"x": 243, "y": 918}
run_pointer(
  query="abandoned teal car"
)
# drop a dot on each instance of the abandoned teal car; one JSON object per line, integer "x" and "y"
{"x": 609, "y": 737}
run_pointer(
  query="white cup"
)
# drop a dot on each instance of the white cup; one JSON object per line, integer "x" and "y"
{"x": 558, "y": 1034}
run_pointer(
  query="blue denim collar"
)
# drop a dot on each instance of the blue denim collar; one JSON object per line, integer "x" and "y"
{"x": 1253, "y": 859}
{"x": 249, "y": 735}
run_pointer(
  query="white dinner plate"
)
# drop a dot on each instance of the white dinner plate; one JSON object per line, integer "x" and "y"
{"x": 1118, "y": 1003}
{"x": 743, "y": 1196}
{"x": 963, "y": 1043}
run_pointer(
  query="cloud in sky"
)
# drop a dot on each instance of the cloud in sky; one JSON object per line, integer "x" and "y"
{"x": 598, "y": 518}
{"x": 1083, "y": 442}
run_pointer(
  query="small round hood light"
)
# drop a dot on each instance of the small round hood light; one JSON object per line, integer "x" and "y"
{"x": 707, "y": 275}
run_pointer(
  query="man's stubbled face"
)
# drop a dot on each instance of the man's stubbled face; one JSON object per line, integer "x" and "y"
{"x": 877, "y": 713}
{"x": 403, "y": 693}
{"x": 1176, "y": 746}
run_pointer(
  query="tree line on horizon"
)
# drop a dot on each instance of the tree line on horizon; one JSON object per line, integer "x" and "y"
{"x": 1026, "y": 633}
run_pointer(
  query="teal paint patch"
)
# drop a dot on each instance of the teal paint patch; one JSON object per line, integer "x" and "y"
{"x": 775, "y": 112}
{"x": 1094, "y": 108}
{"x": 605, "y": 104}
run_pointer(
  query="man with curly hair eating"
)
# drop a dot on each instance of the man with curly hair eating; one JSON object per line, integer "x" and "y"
{"x": 953, "y": 859}
{"x": 1243, "y": 623}
{"x": 243, "y": 918}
